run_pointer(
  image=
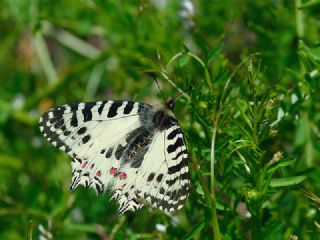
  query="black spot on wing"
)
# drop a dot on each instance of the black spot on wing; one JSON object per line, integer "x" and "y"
{"x": 74, "y": 120}
{"x": 159, "y": 177}
{"x": 174, "y": 133}
{"x": 113, "y": 111}
{"x": 151, "y": 177}
{"x": 119, "y": 151}
{"x": 86, "y": 139}
{"x": 58, "y": 112}
{"x": 66, "y": 133}
{"x": 179, "y": 154}
{"x": 173, "y": 194}
{"x": 128, "y": 108}
{"x": 178, "y": 167}
{"x": 182, "y": 176}
{"x": 173, "y": 147}
{"x": 162, "y": 191}
{"x": 101, "y": 107}
{"x": 63, "y": 128}
{"x": 99, "y": 188}
{"x": 82, "y": 130}
{"x": 86, "y": 111}
{"x": 73, "y": 107}
{"x": 109, "y": 152}
{"x": 59, "y": 124}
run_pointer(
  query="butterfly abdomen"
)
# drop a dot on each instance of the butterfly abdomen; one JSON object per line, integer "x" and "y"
{"x": 137, "y": 147}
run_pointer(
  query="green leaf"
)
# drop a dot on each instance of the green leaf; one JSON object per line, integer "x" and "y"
{"x": 8, "y": 161}
{"x": 90, "y": 228}
{"x": 199, "y": 190}
{"x": 312, "y": 3}
{"x": 281, "y": 164}
{"x": 195, "y": 230}
{"x": 183, "y": 60}
{"x": 213, "y": 54}
{"x": 220, "y": 206}
{"x": 283, "y": 182}
{"x": 313, "y": 53}
{"x": 243, "y": 115}
{"x": 5, "y": 110}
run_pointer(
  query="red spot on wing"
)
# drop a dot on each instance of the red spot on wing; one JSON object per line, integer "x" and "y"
{"x": 113, "y": 171}
{"x": 123, "y": 176}
{"x": 84, "y": 165}
{"x": 124, "y": 185}
{"x": 99, "y": 173}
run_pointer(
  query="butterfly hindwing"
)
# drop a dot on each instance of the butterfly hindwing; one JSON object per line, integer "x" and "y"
{"x": 165, "y": 185}
{"x": 132, "y": 148}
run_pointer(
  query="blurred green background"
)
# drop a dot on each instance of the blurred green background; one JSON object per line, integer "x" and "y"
{"x": 254, "y": 68}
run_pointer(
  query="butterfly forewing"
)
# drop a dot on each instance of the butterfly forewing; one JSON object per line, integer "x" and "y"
{"x": 132, "y": 148}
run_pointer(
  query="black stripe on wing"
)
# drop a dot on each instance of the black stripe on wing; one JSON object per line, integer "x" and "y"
{"x": 172, "y": 187}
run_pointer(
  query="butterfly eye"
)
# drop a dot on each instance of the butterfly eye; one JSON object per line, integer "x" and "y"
{"x": 170, "y": 103}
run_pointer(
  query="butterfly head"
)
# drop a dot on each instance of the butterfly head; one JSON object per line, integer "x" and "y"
{"x": 170, "y": 103}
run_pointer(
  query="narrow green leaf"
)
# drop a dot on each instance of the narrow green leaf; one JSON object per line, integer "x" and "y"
{"x": 244, "y": 116}
{"x": 183, "y": 60}
{"x": 312, "y": 3}
{"x": 281, "y": 164}
{"x": 213, "y": 54}
{"x": 283, "y": 182}
{"x": 195, "y": 230}
{"x": 310, "y": 52}
{"x": 90, "y": 228}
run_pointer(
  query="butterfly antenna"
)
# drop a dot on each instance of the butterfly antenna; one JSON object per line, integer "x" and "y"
{"x": 155, "y": 79}
{"x": 183, "y": 91}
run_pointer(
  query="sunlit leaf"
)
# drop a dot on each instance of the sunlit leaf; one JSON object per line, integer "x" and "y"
{"x": 288, "y": 181}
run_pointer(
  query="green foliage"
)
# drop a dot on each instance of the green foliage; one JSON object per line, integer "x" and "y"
{"x": 251, "y": 119}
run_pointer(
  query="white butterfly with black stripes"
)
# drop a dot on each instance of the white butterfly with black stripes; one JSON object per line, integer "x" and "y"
{"x": 136, "y": 150}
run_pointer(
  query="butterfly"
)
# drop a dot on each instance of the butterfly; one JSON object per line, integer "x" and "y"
{"x": 135, "y": 149}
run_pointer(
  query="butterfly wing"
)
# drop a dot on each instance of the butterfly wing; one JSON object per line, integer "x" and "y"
{"x": 163, "y": 177}
{"x": 120, "y": 145}
{"x": 94, "y": 135}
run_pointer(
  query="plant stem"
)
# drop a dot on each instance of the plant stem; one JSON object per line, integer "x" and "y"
{"x": 299, "y": 19}
{"x": 192, "y": 55}
{"x": 256, "y": 223}
{"x": 215, "y": 225}
{"x": 210, "y": 201}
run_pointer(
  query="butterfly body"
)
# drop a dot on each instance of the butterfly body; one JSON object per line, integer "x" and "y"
{"x": 134, "y": 149}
